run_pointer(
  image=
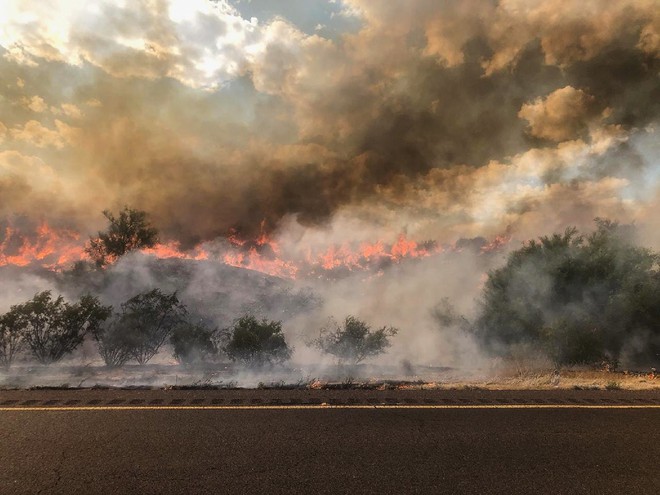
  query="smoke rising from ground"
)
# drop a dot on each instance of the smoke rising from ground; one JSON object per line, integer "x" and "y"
{"x": 402, "y": 295}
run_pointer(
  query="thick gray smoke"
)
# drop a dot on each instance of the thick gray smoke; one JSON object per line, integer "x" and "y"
{"x": 419, "y": 106}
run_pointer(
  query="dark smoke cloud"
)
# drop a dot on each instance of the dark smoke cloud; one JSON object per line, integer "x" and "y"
{"x": 416, "y": 110}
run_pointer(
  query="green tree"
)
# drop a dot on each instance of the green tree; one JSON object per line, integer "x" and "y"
{"x": 354, "y": 341}
{"x": 256, "y": 343}
{"x": 52, "y": 328}
{"x": 144, "y": 324}
{"x": 126, "y": 232}
{"x": 580, "y": 298}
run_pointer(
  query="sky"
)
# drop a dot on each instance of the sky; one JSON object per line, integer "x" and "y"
{"x": 318, "y": 122}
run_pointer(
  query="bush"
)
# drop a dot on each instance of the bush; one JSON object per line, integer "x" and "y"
{"x": 354, "y": 341}
{"x": 52, "y": 328}
{"x": 113, "y": 345}
{"x": 256, "y": 343}
{"x": 11, "y": 340}
{"x": 580, "y": 299}
{"x": 145, "y": 323}
{"x": 130, "y": 230}
{"x": 192, "y": 342}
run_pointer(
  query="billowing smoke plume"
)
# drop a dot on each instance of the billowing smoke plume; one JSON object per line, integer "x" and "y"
{"x": 445, "y": 119}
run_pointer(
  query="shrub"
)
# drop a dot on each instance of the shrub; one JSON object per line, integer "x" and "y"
{"x": 52, "y": 328}
{"x": 580, "y": 299}
{"x": 112, "y": 344}
{"x": 11, "y": 340}
{"x": 130, "y": 230}
{"x": 145, "y": 323}
{"x": 256, "y": 343}
{"x": 192, "y": 342}
{"x": 354, "y": 341}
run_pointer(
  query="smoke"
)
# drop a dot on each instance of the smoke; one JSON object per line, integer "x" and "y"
{"x": 325, "y": 126}
{"x": 213, "y": 122}
{"x": 403, "y": 296}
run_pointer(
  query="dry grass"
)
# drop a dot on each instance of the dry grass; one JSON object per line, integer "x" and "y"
{"x": 573, "y": 379}
{"x": 512, "y": 375}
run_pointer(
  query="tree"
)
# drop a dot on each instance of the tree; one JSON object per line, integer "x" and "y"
{"x": 52, "y": 328}
{"x": 192, "y": 342}
{"x": 11, "y": 340}
{"x": 145, "y": 323}
{"x": 354, "y": 341}
{"x": 130, "y": 230}
{"x": 257, "y": 343}
{"x": 580, "y": 299}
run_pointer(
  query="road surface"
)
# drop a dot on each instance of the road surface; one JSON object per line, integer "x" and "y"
{"x": 346, "y": 441}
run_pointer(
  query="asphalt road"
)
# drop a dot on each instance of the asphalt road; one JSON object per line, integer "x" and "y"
{"x": 488, "y": 446}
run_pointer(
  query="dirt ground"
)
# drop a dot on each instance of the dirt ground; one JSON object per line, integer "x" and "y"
{"x": 502, "y": 377}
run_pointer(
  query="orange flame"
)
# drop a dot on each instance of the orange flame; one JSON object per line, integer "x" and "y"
{"x": 253, "y": 259}
{"x": 369, "y": 254}
{"x": 55, "y": 249}
{"x": 497, "y": 243}
{"x": 47, "y": 247}
{"x": 172, "y": 250}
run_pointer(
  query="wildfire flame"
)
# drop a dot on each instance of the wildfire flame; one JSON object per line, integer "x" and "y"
{"x": 368, "y": 255}
{"x": 48, "y": 247}
{"x": 57, "y": 249}
{"x": 496, "y": 243}
{"x": 172, "y": 250}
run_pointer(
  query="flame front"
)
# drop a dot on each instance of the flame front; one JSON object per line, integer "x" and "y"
{"x": 58, "y": 249}
{"x": 47, "y": 247}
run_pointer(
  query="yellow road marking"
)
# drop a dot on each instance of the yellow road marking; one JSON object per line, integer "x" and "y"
{"x": 328, "y": 406}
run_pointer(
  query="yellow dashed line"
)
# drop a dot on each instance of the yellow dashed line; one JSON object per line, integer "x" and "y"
{"x": 324, "y": 406}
